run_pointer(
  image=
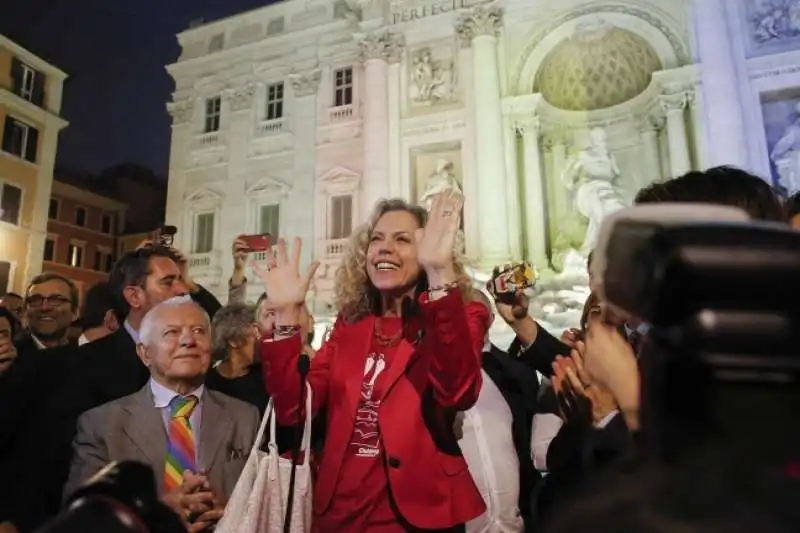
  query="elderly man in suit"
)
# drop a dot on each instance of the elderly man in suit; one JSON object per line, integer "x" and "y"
{"x": 173, "y": 424}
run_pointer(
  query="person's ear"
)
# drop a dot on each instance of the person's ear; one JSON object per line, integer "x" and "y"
{"x": 110, "y": 321}
{"x": 134, "y": 296}
{"x": 141, "y": 351}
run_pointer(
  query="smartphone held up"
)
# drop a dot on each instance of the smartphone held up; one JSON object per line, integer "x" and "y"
{"x": 256, "y": 243}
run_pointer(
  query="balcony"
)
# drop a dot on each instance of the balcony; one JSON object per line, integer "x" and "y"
{"x": 270, "y": 127}
{"x": 336, "y": 247}
{"x": 212, "y": 139}
{"x": 341, "y": 113}
{"x": 206, "y": 268}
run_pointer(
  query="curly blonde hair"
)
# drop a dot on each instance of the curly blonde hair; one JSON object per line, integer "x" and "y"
{"x": 354, "y": 294}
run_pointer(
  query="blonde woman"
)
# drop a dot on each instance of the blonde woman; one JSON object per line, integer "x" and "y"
{"x": 403, "y": 358}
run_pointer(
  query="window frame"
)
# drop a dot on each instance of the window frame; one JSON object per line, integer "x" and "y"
{"x": 27, "y": 71}
{"x": 54, "y": 240}
{"x": 85, "y": 224}
{"x": 275, "y": 105}
{"x": 3, "y": 185}
{"x": 110, "y": 217}
{"x": 196, "y": 229}
{"x": 76, "y": 245}
{"x": 57, "y": 203}
{"x": 276, "y": 203}
{"x": 212, "y": 118}
{"x": 344, "y": 86}
{"x": 26, "y": 129}
{"x": 332, "y": 199}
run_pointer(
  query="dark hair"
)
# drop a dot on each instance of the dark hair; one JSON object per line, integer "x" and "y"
{"x": 793, "y": 205}
{"x": 12, "y": 320}
{"x": 723, "y": 185}
{"x": 97, "y": 302}
{"x": 53, "y": 276}
{"x": 13, "y": 295}
{"x": 131, "y": 270}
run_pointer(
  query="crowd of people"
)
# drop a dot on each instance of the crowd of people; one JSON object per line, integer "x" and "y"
{"x": 421, "y": 423}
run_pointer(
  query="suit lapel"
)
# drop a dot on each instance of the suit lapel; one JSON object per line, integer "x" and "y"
{"x": 214, "y": 430}
{"x": 144, "y": 427}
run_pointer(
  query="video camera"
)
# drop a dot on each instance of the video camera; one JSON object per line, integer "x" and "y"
{"x": 719, "y": 291}
{"x": 121, "y": 498}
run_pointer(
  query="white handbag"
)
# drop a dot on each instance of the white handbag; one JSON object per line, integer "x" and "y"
{"x": 259, "y": 499}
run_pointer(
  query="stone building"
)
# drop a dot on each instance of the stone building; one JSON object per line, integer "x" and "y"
{"x": 296, "y": 117}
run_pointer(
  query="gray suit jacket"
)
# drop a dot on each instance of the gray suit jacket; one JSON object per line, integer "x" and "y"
{"x": 132, "y": 429}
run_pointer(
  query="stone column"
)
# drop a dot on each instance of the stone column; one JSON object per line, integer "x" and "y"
{"x": 673, "y": 106}
{"x": 535, "y": 213}
{"x": 182, "y": 121}
{"x": 725, "y": 135}
{"x": 558, "y": 151}
{"x": 375, "y": 181}
{"x": 515, "y": 231}
{"x": 478, "y": 29}
{"x": 696, "y": 127}
{"x": 651, "y": 160}
{"x": 300, "y": 216}
{"x": 394, "y": 57}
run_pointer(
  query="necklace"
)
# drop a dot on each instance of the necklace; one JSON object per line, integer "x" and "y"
{"x": 383, "y": 339}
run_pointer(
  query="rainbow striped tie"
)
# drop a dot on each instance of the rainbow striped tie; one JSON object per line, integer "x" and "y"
{"x": 180, "y": 450}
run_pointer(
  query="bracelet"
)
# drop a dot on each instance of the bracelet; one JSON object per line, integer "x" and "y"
{"x": 286, "y": 331}
{"x": 447, "y": 287}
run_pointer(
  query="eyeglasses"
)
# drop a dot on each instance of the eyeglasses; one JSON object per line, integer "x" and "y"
{"x": 53, "y": 300}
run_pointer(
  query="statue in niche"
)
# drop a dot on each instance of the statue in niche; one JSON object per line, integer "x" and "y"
{"x": 592, "y": 176}
{"x": 441, "y": 180}
{"x": 786, "y": 155}
{"x": 431, "y": 80}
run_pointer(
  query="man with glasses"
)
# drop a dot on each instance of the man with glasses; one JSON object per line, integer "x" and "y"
{"x": 51, "y": 305}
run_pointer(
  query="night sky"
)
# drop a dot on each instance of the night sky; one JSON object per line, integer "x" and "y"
{"x": 115, "y": 52}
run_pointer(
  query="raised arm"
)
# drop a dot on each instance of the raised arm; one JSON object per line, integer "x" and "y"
{"x": 454, "y": 337}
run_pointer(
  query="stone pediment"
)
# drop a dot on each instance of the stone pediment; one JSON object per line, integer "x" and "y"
{"x": 204, "y": 195}
{"x": 338, "y": 175}
{"x": 268, "y": 187}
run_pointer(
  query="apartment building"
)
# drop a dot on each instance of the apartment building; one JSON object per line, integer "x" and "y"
{"x": 82, "y": 229}
{"x": 30, "y": 121}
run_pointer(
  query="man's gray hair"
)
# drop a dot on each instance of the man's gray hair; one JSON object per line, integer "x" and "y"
{"x": 231, "y": 325}
{"x": 149, "y": 322}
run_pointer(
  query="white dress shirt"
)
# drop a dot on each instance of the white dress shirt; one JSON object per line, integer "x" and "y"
{"x": 162, "y": 396}
{"x": 488, "y": 447}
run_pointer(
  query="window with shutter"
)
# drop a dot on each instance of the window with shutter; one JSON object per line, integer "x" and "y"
{"x": 341, "y": 217}
{"x": 38, "y": 89}
{"x": 5, "y": 277}
{"x": 10, "y": 203}
{"x": 20, "y": 139}
{"x": 204, "y": 233}
{"x": 52, "y": 210}
{"x": 49, "y": 250}
{"x": 269, "y": 220}
{"x": 98, "y": 260}
{"x": 75, "y": 255}
{"x": 16, "y": 75}
{"x": 80, "y": 216}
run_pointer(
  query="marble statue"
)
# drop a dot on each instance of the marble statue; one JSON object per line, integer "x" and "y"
{"x": 786, "y": 155}
{"x": 592, "y": 176}
{"x": 431, "y": 81}
{"x": 441, "y": 180}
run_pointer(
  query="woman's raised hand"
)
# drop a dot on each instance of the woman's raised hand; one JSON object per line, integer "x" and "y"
{"x": 436, "y": 242}
{"x": 284, "y": 285}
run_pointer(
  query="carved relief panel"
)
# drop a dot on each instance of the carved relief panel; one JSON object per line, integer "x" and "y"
{"x": 431, "y": 77}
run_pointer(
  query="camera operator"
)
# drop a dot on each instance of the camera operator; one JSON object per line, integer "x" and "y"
{"x": 609, "y": 361}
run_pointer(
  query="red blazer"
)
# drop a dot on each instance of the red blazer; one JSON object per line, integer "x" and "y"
{"x": 430, "y": 379}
